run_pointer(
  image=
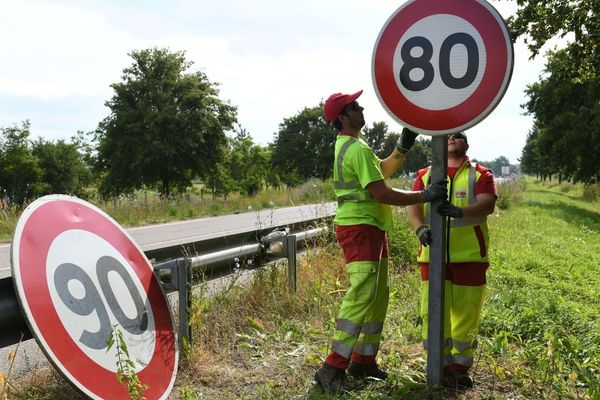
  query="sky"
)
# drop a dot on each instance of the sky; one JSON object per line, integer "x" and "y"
{"x": 271, "y": 58}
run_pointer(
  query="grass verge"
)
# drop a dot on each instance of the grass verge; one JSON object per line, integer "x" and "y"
{"x": 540, "y": 335}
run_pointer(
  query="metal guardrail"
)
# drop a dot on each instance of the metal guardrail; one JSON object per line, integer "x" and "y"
{"x": 180, "y": 269}
{"x": 175, "y": 275}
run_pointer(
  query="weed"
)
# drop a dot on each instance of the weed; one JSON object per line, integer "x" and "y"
{"x": 126, "y": 374}
{"x": 5, "y": 379}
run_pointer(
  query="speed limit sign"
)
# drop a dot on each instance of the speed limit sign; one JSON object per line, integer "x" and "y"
{"x": 441, "y": 66}
{"x": 78, "y": 276}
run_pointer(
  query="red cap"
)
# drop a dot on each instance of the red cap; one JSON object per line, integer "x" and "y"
{"x": 336, "y": 103}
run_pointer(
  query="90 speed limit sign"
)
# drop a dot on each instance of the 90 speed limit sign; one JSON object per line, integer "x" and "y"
{"x": 77, "y": 275}
{"x": 441, "y": 66}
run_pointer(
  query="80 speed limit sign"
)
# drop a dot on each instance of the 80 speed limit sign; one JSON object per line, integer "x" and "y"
{"x": 442, "y": 66}
{"x": 77, "y": 275}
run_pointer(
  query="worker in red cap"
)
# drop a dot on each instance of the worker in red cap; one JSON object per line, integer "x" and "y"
{"x": 362, "y": 219}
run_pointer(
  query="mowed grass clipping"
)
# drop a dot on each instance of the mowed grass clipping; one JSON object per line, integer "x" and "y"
{"x": 540, "y": 335}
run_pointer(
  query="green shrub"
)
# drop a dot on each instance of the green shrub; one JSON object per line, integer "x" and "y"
{"x": 591, "y": 192}
{"x": 509, "y": 193}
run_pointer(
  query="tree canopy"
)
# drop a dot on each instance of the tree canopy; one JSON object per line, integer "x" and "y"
{"x": 166, "y": 126}
{"x": 36, "y": 168}
{"x": 303, "y": 148}
{"x": 565, "y": 102}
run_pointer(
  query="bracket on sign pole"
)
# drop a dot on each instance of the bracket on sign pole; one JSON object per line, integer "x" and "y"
{"x": 437, "y": 269}
{"x": 179, "y": 271}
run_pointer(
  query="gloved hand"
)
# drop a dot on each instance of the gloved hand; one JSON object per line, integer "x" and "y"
{"x": 406, "y": 140}
{"x": 448, "y": 209}
{"x": 437, "y": 190}
{"x": 424, "y": 235}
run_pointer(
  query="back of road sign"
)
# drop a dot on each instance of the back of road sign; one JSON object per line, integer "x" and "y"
{"x": 79, "y": 278}
{"x": 442, "y": 66}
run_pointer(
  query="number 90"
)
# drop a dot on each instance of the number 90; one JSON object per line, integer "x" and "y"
{"x": 92, "y": 301}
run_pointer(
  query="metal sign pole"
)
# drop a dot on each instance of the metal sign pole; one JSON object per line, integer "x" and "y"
{"x": 437, "y": 267}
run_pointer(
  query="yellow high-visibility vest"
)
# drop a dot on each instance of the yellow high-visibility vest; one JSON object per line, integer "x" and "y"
{"x": 355, "y": 204}
{"x": 469, "y": 237}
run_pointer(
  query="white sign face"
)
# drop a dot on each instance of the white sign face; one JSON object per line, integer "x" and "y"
{"x": 429, "y": 61}
{"x": 77, "y": 275}
{"x": 442, "y": 67}
{"x": 85, "y": 273}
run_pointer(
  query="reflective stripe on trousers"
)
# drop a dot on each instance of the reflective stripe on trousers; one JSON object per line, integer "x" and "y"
{"x": 462, "y": 312}
{"x": 360, "y": 319}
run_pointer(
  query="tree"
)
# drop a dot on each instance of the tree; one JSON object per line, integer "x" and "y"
{"x": 418, "y": 157}
{"x": 303, "y": 147}
{"x": 64, "y": 170}
{"x": 567, "y": 113}
{"x": 539, "y": 21}
{"x": 376, "y": 139}
{"x": 21, "y": 177}
{"x": 565, "y": 101}
{"x": 166, "y": 126}
{"x": 248, "y": 163}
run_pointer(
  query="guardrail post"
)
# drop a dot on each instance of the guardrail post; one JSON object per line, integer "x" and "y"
{"x": 179, "y": 271}
{"x": 291, "y": 252}
{"x": 185, "y": 301}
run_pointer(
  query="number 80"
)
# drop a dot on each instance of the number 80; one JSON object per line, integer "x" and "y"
{"x": 423, "y": 62}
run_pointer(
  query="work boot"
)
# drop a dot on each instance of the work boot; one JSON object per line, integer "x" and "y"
{"x": 330, "y": 379}
{"x": 459, "y": 380}
{"x": 364, "y": 371}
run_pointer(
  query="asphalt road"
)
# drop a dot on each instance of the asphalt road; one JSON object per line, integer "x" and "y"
{"x": 180, "y": 233}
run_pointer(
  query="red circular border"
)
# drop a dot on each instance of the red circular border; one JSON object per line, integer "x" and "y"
{"x": 469, "y": 110}
{"x": 39, "y": 231}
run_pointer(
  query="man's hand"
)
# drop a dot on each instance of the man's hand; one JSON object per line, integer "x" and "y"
{"x": 437, "y": 190}
{"x": 406, "y": 140}
{"x": 448, "y": 209}
{"x": 424, "y": 235}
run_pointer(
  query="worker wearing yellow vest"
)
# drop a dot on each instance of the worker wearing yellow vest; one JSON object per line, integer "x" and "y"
{"x": 363, "y": 216}
{"x": 472, "y": 198}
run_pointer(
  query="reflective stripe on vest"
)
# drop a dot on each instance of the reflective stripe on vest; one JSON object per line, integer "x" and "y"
{"x": 341, "y": 184}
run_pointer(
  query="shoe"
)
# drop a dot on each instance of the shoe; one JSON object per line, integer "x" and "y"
{"x": 365, "y": 371}
{"x": 459, "y": 380}
{"x": 330, "y": 379}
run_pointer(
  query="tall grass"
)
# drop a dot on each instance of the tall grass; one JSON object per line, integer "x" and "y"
{"x": 540, "y": 336}
{"x": 540, "y": 333}
{"x": 509, "y": 193}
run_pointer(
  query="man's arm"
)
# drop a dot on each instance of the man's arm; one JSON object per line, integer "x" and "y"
{"x": 392, "y": 163}
{"x": 483, "y": 206}
{"x": 415, "y": 216}
{"x": 395, "y": 197}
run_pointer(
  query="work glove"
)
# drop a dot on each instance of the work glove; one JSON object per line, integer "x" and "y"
{"x": 406, "y": 140}
{"x": 437, "y": 190}
{"x": 424, "y": 235}
{"x": 448, "y": 209}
